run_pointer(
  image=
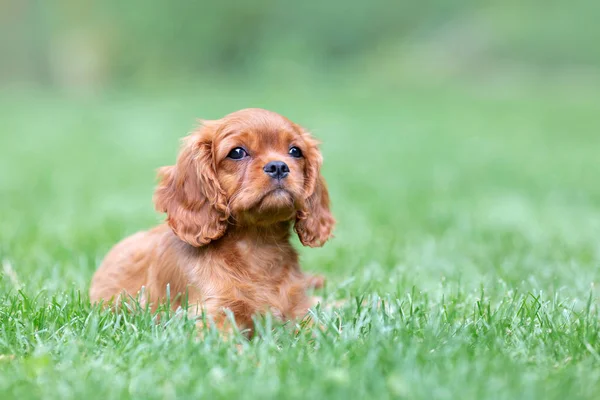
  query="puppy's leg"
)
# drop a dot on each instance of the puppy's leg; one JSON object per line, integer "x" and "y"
{"x": 224, "y": 319}
{"x": 314, "y": 281}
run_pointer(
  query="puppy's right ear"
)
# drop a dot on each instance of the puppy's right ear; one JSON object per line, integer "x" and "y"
{"x": 190, "y": 194}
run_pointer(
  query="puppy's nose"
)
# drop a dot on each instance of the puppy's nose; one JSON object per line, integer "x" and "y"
{"x": 277, "y": 169}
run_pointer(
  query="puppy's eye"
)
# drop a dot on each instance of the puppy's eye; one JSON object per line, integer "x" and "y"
{"x": 295, "y": 152}
{"x": 237, "y": 154}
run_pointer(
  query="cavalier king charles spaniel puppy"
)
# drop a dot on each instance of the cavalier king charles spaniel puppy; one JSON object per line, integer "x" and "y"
{"x": 239, "y": 186}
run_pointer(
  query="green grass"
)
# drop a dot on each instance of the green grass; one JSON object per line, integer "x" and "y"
{"x": 468, "y": 246}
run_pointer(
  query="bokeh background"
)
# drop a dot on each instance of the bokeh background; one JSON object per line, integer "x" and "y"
{"x": 87, "y": 46}
{"x": 456, "y": 134}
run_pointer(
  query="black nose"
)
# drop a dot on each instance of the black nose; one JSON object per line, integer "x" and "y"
{"x": 277, "y": 169}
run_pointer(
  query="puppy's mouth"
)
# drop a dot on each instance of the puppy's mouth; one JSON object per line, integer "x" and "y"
{"x": 278, "y": 197}
{"x": 278, "y": 192}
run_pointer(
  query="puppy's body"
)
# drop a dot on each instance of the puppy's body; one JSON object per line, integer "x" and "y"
{"x": 243, "y": 272}
{"x": 227, "y": 241}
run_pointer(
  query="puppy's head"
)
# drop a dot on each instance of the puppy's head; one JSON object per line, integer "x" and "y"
{"x": 251, "y": 168}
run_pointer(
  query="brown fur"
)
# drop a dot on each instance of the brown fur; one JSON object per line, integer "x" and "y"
{"x": 226, "y": 244}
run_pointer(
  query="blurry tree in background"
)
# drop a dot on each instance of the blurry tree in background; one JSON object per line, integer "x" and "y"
{"x": 88, "y": 44}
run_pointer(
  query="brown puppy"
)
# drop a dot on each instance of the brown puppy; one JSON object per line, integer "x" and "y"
{"x": 238, "y": 186}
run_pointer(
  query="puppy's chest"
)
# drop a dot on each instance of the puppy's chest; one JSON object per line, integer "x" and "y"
{"x": 271, "y": 279}
{"x": 265, "y": 264}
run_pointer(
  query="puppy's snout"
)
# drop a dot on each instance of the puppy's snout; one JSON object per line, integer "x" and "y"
{"x": 277, "y": 169}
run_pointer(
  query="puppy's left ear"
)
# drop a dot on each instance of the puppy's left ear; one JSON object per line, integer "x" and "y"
{"x": 314, "y": 222}
{"x": 190, "y": 194}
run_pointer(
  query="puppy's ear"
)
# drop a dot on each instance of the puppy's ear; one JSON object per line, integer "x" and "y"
{"x": 314, "y": 222}
{"x": 190, "y": 194}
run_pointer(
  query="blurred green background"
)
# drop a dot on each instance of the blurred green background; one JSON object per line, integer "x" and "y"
{"x": 87, "y": 45}
{"x": 436, "y": 117}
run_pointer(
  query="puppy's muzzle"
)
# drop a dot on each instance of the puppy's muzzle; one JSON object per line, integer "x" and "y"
{"x": 277, "y": 170}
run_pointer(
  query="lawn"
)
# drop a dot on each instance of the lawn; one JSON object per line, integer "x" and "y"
{"x": 467, "y": 248}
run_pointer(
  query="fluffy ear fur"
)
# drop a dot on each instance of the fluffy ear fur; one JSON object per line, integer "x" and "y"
{"x": 190, "y": 194}
{"x": 314, "y": 223}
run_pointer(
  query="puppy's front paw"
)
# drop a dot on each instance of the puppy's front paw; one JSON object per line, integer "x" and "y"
{"x": 327, "y": 305}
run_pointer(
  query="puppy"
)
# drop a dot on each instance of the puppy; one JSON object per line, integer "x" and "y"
{"x": 239, "y": 186}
